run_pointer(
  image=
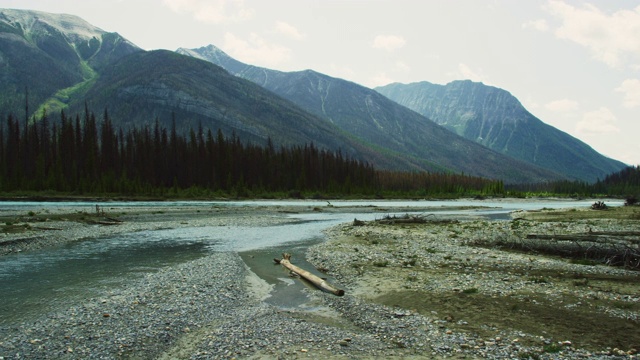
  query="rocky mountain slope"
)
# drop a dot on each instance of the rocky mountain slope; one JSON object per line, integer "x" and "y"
{"x": 375, "y": 120}
{"x": 496, "y": 119}
{"x": 51, "y": 56}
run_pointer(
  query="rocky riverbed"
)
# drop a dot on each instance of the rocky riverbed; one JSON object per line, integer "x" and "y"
{"x": 440, "y": 288}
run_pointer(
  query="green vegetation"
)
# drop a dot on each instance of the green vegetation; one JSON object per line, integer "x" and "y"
{"x": 82, "y": 156}
{"x": 86, "y": 157}
{"x": 552, "y": 348}
{"x": 60, "y": 100}
{"x": 625, "y": 183}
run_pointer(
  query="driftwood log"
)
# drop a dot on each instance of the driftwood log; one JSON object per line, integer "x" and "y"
{"x": 591, "y": 236}
{"x": 315, "y": 280}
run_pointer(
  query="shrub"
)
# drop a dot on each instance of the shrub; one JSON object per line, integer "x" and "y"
{"x": 553, "y": 348}
{"x": 381, "y": 263}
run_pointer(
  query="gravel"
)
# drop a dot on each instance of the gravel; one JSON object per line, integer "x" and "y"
{"x": 213, "y": 307}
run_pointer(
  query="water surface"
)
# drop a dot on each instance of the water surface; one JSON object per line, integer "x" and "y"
{"x": 36, "y": 282}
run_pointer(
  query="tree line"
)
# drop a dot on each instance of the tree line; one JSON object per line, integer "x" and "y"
{"x": 624, "y": 183}
{"x": 83, "y": 155}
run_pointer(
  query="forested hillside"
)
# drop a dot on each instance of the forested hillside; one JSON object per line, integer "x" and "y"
{"x": 624, "y": 182}
{"x": 85, "y": 155}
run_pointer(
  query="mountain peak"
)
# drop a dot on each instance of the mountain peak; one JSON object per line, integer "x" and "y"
{"x": 30, "y": 21}
{"x": 496, "y": 119}
{"x": 204, "y": 53}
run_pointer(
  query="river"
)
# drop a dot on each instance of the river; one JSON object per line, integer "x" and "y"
{"x": 35, "y": 282}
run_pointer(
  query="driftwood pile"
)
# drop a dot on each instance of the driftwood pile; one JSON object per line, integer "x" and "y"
{"x": 407, "y": 219}
{"x": 617, "y": 248}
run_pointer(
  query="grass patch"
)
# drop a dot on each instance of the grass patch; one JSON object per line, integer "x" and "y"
{"x": 587, "y": 327}
{"x": 552, "y": 348}
{"x": 581, "y": 282}
{"x": 538, "y": 280}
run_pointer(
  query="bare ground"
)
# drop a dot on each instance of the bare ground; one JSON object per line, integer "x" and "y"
{"x": 476, "y": 278}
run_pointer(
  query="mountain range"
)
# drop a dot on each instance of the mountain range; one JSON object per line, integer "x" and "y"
{"x": 375, "y": 120}
{"x": 58, "y": 62}
{"x": 496, "y": 119}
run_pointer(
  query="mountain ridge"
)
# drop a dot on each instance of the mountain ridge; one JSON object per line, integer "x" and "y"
{"x": 377, "y": 120}
{"x": 496, "y": 119}
{"x": 70, "y": 49}
{"x": 139, "y": 88}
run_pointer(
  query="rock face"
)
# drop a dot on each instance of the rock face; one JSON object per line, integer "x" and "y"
{"x": 496, "y": 119}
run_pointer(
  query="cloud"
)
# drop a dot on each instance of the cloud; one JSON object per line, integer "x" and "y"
{"x": 611, "y": 38}
{"x": 255, "y": 50}
{"x": 341, "y": 71}
{"x": 631, "y": 90}
{"x": 475, "y": 75}
{"x": 388, "y": 42}
{"x": 540, "y": 25}
{"x": 213, "y": 11}
{"x": 401, "y": 66}
{"x": 380, "y": 79}
{"x": 289, "y": 30}
{"x": 601, "y": 121}
{"x": 563, "y": 105}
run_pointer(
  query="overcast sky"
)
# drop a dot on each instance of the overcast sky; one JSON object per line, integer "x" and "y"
{"x": 573, "y": 64}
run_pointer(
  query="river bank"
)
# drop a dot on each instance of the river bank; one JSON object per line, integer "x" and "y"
{"x": 485, "y": 298}
{"x": 427, "y": 290}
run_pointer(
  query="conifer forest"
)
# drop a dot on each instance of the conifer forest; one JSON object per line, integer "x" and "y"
{"x": 84, "y": 155}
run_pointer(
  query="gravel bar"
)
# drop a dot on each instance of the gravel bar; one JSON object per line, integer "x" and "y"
{"x": 214, "y": 308}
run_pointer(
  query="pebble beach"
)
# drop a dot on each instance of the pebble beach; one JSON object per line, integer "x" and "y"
{"x": 411, "y": 292}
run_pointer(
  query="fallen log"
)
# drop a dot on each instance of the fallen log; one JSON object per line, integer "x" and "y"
{"x": 315, "y": 280}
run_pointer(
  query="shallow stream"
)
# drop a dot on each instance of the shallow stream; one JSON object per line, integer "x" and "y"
{"x": 36, "y": 282}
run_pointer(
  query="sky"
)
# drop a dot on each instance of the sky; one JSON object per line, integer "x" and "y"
{"x": 573, "y": 64}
